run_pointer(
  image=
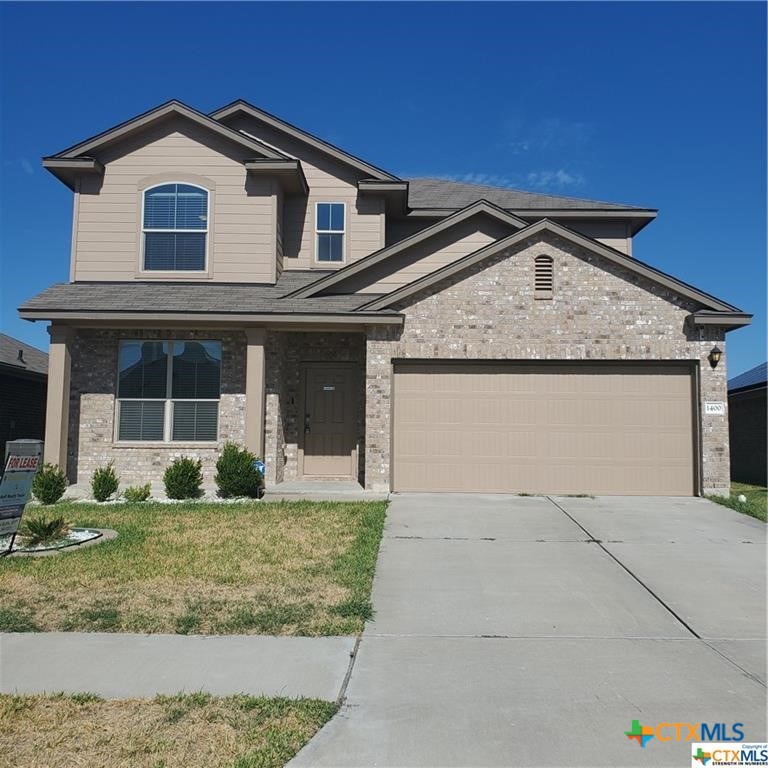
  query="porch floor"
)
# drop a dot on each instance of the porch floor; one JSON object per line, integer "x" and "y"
{"x": 321, "y": 490}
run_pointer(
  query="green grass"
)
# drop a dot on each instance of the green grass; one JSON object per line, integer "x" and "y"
{"x": 194, "y": 730}
{"x": 296, "y": 568}
{"x": 756, "y": 504}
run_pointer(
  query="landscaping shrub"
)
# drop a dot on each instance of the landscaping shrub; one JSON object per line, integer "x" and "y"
{"x": 104, "y": 482}
{"x": 183, "y": 478}
{"x": 49, "y": 484}
{"x": 236, "y": 474}
{"x": 137, "y": 493}
{"x": 43, "y": 530}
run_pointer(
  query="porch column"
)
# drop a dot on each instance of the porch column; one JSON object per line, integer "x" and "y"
{"x": 254, "y": 390}
{"x": 57, "y": 404}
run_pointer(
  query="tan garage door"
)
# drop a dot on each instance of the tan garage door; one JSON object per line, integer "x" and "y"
{"x": 564, "y": 428}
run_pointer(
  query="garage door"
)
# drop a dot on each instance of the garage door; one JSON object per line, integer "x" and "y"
{"x": 565, "y": 428}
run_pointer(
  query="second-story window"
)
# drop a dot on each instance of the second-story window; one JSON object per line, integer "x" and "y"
{"x": 175, "y": 228}
{"x": 330, "y": 223}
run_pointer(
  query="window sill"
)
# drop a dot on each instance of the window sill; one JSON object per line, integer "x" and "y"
{"x": 173, "y": 276}
{"x": 161, "y": 444}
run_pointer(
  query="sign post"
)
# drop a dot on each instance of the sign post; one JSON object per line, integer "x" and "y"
{"x": 21, "y": 467}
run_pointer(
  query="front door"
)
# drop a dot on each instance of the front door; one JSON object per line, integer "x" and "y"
{"x": 330, "y": 405}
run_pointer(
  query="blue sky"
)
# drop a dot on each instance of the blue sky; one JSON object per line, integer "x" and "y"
{"x": 653, "y": 104}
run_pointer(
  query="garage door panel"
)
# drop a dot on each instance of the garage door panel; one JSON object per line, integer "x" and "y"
{"x": 571, "y": 428}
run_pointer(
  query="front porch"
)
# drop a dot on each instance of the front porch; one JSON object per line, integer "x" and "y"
{"x": 297, "y": 398}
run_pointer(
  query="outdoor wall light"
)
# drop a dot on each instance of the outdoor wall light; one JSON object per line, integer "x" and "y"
{"x": 714, "y": 356}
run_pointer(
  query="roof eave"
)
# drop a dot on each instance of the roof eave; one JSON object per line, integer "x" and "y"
{"x": 67, "y": 170}
{"x": 729, "y": 320}
{"x": 289, "y": 172}
{"x": 285, "y": 318}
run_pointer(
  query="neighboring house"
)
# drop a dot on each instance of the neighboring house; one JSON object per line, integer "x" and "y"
{"x": 235, "y": 278}
{"x": 23, "y": 380}
{"x": 748, "y": 421}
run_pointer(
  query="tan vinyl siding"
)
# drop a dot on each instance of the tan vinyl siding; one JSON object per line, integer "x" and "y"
{"x": 241, "y": 241}
{"x": 329, "y": 181}
{"x": 399, "y": 229}
{"x": 279, "y": 212}
{"x": 614, "y": 234}
{"x": 428, "y": 256}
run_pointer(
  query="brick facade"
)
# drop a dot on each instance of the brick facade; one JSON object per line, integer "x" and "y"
{"x": 599, "y": 311}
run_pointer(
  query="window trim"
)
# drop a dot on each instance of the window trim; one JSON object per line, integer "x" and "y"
{"x": 169, "y": 402}
{"x": 164, "y": 273}
{"x": 319, "y": 232}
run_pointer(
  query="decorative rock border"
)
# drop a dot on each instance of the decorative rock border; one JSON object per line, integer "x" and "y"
{"x": 104, "y": 534}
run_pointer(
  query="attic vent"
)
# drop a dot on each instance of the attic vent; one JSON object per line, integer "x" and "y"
{"x": 544, "y": 277}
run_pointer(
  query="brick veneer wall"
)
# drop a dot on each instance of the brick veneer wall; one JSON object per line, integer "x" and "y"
{"x": 92, "y": 408}
{"x": 599, "y": 311}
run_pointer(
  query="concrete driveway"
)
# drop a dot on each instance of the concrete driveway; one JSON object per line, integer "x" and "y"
{"x": 529, "y": 631}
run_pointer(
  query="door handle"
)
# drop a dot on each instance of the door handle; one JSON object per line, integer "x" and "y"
{"x": 306, "y": 424}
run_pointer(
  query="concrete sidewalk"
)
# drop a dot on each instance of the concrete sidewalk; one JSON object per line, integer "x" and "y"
{"x": 137, "y": 666}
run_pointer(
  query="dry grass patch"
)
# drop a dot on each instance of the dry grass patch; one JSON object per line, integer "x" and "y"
{"x": 193, "y": 731}
{"x": 301, "y": 568}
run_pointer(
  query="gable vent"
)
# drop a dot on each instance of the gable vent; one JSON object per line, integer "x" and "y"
{"x": 544, "y": 277}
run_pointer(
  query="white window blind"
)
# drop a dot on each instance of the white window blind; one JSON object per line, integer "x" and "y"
{"x": 168, "y": 390}
{"x": 175, "y": 227}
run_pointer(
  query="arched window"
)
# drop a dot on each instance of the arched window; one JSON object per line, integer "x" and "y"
{"x": 175, "y": 228}
{"x": 544, "y": 277}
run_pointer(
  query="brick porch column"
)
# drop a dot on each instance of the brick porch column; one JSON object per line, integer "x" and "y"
{"x": 57, "y": 404}
{"x": 254, "y": 390}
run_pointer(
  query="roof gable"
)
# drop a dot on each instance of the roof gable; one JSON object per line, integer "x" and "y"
{"x": 244, "y": 107}
{"x": 482, "y": 207}
{"x": 545, "y": 225}
{"x": 127, "y": 128}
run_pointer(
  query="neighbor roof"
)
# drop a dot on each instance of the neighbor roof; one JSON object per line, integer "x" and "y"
{"x": 32, "y": 359}
{"x": 752, "y": 378}
{"x": 442, "y": 193}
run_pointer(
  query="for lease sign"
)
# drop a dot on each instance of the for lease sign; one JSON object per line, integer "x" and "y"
{"x": 15, "y": 488}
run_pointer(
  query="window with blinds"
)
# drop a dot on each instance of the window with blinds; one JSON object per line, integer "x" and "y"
{"x": 544, "y": 277}
{"x": 168, "y": 391}
{"x": 330, "y": 229}
{"x": 175, "y": 228}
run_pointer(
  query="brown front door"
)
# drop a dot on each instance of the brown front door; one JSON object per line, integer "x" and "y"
{"x": 330, "y": 404}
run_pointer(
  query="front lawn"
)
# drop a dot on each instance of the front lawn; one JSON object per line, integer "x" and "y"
{"x": 756, "y": 504}
{"x": 194, "y": 731}
{"x": 285, "y": 568}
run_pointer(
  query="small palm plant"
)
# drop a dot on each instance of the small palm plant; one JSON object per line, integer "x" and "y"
{"x": 35, "y": 531}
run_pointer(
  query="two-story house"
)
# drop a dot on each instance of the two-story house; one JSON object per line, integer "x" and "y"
{"x": 234, "y": 277}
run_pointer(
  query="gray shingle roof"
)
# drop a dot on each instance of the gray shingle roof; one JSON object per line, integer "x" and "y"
{"x": 751, "y": 378}
{"x": 33, "y": 359}
{"x": 441, "y": 193}
{"x": 235, "y": 298}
